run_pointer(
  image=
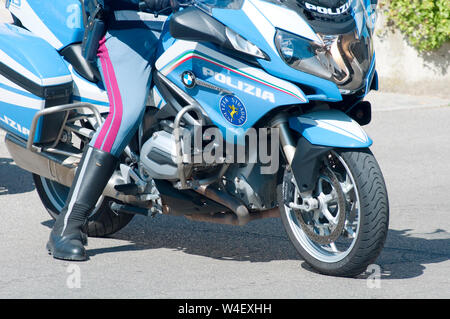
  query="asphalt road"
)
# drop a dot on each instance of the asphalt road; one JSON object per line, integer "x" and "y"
{"x": 171, "y": 257}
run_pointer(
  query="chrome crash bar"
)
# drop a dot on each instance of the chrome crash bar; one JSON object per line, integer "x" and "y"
{"x": 58, "y": 109}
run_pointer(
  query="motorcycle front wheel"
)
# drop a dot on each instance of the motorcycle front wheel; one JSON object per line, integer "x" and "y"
{"x": 340, "y": 227}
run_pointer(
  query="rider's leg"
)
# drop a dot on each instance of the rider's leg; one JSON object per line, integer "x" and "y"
{"x": 124, "y": 57}
{"x": 68, "y": 236}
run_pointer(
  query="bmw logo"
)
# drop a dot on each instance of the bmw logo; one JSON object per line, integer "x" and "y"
{"x": 188, "y": 79}
{"x": 233, "y": 110}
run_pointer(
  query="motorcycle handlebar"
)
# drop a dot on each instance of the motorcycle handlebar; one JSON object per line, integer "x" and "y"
{"x": 174, "y": 5}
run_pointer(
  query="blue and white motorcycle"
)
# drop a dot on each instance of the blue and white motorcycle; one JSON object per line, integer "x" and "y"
{"x": 293, "y": 73}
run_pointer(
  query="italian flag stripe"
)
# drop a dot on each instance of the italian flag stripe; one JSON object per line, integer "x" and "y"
{"x": 194, "y": 54}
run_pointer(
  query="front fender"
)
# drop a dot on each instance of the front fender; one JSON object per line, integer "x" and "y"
{"x": 330, "y": 128}
{"x": 322, "y": 131}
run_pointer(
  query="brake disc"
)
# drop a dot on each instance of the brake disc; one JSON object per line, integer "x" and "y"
{"x": 334, "y": 230}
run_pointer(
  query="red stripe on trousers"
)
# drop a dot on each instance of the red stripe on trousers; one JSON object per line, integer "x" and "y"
{"x": 111, "y": 126}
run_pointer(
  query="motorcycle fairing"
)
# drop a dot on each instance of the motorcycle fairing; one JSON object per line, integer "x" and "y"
{"x": 30, "y": 82}
{"x": 29, "y": 55}
{"x": 258, "y": 91}
{"x": 288, "y": 20}
{"x": 330, "y": 128}
{"x": 60, "y": 22}
{"x": 252, "y": 24}
{"x": 12, "y": 118}
{"x": 371, "y": 81}
{"x": 156, "y": 98}
{"x": 89, "y": 92}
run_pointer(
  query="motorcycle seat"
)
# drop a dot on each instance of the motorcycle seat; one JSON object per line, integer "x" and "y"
{"x": 74, "y": 56}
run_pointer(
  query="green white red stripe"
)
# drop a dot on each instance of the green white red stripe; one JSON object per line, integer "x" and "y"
{"x": 193, "y": 54}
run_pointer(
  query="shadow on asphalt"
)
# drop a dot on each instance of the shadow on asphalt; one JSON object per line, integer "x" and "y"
{"x": 259, "y": 241}
{"x": 13, "y": 179}
{"x": 404, "y": 255}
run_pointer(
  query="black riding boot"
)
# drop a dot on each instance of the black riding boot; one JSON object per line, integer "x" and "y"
{"x": 68, "y": 236}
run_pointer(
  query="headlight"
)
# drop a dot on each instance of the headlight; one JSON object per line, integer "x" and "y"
{"x": 320, "y": 59}
{"x": 238, "y": 43}
{"x": 344, "y": 59}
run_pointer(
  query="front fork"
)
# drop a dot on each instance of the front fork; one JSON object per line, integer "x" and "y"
{"x": 303, "y": 157}
{"x": 287, "y": 142}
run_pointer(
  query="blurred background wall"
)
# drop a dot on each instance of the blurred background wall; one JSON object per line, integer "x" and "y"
{"x": 401, "y": 68}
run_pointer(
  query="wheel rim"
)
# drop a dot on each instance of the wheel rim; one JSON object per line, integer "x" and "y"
{"x": 320, "y": 219}
{"x": 57, "y": 195}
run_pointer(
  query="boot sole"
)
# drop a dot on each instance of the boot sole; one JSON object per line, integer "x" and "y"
{"x": 65, "y": 257}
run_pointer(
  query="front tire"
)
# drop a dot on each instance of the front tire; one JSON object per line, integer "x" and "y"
{"x": 101, "y": 222}
{"x": 347, "y": 230}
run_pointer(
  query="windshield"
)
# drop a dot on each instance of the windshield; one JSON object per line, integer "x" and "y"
{"x": 339, "y": 16}
{"x": 219, "y": 4}
{"x": 345, "y": 27}
{"x": 333, "y": 16}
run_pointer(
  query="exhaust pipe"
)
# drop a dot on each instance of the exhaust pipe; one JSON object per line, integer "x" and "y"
{"x": 57, "y": 167}
{"x": 62, "y": 168}
{"x": 221, "y": 197}
{"x": 232, "y": 219}
{"x": 240, "y": 216}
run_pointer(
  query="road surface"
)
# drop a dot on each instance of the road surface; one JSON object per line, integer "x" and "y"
{"x": 171, "y": 257}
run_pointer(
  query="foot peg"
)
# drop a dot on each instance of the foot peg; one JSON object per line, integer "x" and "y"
{"x": 128, "y": 209}
{"x": 127, "y": 189}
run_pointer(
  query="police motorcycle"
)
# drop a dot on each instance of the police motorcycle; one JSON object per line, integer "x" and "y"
{"x": 293, "y": 72}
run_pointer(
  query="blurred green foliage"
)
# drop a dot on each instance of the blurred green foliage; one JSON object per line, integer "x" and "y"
{"x": 426, "y": 23}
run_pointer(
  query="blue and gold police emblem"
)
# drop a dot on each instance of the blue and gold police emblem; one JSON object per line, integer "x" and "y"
{"x": 233, "y": 110}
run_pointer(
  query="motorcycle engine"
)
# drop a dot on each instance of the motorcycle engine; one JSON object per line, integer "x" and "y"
{"x": 158, "y": 156}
